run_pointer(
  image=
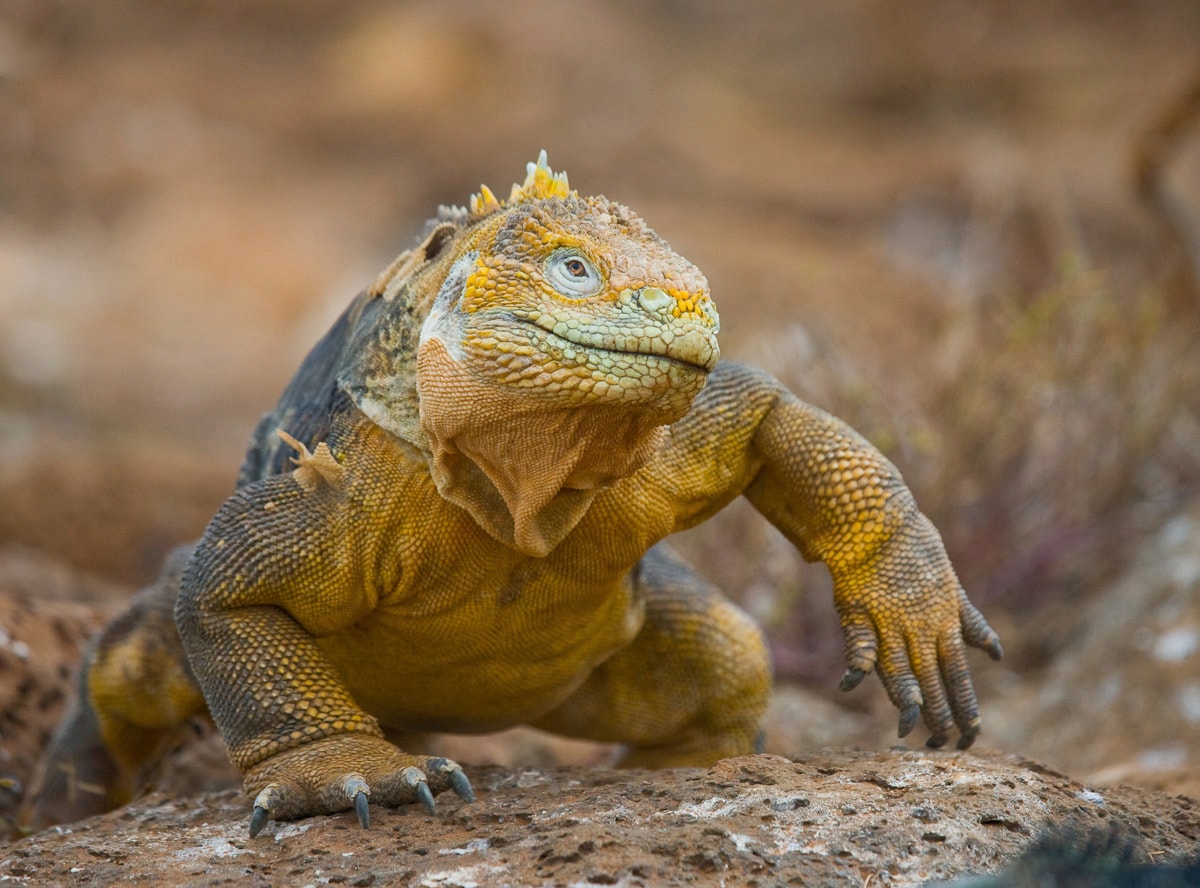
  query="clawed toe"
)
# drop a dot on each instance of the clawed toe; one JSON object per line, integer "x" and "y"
{"x": 393, "y": 783}
{"x": 461, "y": 785}
{"x": 852, "y": 678}
{"x": 454, "y": 776}
{"x": 414, "y": 780}
{"x": 362, "y": 809}
{"x": 357, "y": 791}
{"x": 258, "y": 820}
{"x": 263, "y": 803}
{"x": 426, "y": 797}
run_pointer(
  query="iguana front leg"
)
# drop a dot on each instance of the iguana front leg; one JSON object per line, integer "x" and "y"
{"x": 904, "y": 613}
{"x": 276, "y": 568}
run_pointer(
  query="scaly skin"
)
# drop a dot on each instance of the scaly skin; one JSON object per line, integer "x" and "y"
{"x": 458, "y": 525}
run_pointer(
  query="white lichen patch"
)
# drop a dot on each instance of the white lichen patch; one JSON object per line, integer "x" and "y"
{"x": 741, "y": 842}
{"x": 796, "y": 840}
{"x": 466, "y": 877}
{"x": 475, "y": 846}
{"x": 213, "y": 846}
{"x": 530, "y": 778}
{"x": 714, "y": 807}
{"x": 292, "y": 829}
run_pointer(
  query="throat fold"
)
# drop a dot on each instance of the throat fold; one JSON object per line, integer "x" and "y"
{"x": 524, "y": 468}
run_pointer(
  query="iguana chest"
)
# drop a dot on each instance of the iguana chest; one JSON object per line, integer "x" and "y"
{"x": 470, "y": 635}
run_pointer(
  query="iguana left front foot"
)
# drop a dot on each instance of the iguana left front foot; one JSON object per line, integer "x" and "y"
{"x": 345, "y": 771}
{"x": 905, "y": 616}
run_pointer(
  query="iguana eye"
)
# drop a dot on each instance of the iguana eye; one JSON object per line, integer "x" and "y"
{"x": 573, "y": 275}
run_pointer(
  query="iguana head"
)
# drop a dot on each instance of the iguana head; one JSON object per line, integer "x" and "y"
{"x": 562, "y": 336}
{"x": 573, "y": 301}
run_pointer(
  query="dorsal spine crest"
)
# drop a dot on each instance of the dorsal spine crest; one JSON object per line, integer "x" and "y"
{"x": 541, "y": 183}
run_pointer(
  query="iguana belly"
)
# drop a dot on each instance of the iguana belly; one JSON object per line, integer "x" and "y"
{"x": 489, "y": 664}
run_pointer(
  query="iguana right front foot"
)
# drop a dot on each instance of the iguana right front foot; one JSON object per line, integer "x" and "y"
{"x": 345, "y": 771}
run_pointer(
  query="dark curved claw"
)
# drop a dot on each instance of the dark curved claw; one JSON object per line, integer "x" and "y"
{"x": 993, "y": 648}
{"x": 968, "y": 737}
{"x": 258, "y": 820}
{"x": 852, "y": 678}
{"x": 937, "y": 741}
{"x": 976, "y": 631}
{"x": 908, "y": 719}
{"x": 357, "y": 791}
{"x": 461, "y": 785}
{"x": 362, "y": 809}
{"x": 266, "y": 799}
{"x": 453, "y": 775}
{"x": 426, "y": 797}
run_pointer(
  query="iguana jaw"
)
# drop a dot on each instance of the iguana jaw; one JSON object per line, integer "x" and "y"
{"x": 586, "y": 367}
{"x": 693, "y": 347}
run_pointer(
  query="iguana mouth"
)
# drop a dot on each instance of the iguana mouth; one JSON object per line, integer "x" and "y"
{"x": 692, "y": 349}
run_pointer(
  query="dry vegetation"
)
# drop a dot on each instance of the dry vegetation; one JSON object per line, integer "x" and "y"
{"x": 1062, "y": 434}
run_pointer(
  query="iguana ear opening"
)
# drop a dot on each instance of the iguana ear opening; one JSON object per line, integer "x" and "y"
{"x": 438, "y": 237}
{"x": 409, "y": 262}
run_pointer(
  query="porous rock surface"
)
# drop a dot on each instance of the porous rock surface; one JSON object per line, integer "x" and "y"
{"x": 898, "y": 817}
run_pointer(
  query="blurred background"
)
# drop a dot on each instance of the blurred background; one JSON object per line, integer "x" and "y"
{"x": 965, "y": 228}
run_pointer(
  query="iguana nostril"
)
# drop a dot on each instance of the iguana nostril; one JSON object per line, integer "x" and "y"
{"x": 653, "y": 299}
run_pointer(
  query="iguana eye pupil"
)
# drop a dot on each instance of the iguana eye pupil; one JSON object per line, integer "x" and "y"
{"x": 573, "y": 275}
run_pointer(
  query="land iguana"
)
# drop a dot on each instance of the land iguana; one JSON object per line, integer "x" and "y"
{"x": 452, "y": 522}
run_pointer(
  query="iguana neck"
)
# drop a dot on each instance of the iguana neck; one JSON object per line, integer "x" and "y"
{"x": 525, "y": 471}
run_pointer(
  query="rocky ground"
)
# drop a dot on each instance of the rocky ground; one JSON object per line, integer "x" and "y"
{"x": 831, "y": 818}
{"x": 189, "y": 193}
